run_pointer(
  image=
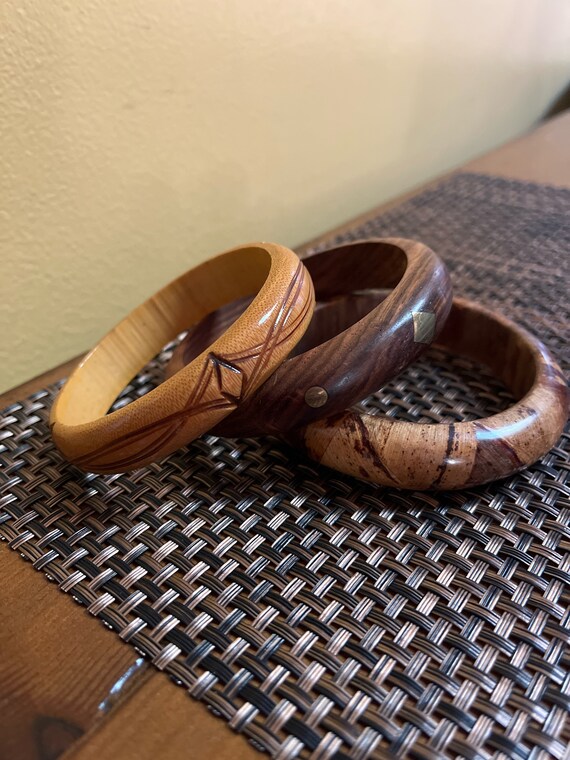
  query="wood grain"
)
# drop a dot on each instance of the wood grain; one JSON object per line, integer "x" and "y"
{"x": 445, "y": 457}
{"x": 206, "y": 390}
{"x": 60, "y": 670}
{"x": 349, "y": 365}
{"x": 161, "y": 722}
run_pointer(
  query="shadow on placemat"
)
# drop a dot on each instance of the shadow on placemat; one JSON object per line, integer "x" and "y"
{"x": 319, "y": 614}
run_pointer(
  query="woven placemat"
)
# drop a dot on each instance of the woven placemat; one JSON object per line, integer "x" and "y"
{"x": 320, "y": 615}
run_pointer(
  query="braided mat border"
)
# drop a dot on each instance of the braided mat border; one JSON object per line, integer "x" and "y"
{"x": 322, "y": 616}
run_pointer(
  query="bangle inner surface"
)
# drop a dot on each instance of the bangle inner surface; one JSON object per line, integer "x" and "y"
{"x": 110, "y": 366}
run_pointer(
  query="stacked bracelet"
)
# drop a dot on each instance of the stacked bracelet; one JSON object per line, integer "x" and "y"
{"x": 450, "y": 456}
{"x": 356, "y": 361}
{"x": 217, "y": 381}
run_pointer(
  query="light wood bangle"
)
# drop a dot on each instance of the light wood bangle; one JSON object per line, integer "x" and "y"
{"x": 206, "y": 390}
{"x": 451, "y": 456}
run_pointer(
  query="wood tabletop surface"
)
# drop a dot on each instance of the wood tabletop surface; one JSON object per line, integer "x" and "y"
{"x": 70, "y": 688}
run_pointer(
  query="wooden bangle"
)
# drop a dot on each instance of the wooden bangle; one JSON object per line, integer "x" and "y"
{"x": 451, "y": 456}
{"x": 347, "y": 367}
{"x": 223, "y": 375}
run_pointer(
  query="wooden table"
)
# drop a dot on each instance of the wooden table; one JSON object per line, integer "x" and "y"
{"x": 70, "y": 688}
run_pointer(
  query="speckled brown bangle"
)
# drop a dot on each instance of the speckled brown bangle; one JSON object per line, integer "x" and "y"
{"x": 451, "y": 456}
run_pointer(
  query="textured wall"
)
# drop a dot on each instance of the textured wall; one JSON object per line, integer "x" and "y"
{"x": 138, "y": 137}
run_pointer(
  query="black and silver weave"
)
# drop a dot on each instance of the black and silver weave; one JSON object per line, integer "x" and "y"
{"x": 322, "y": 616}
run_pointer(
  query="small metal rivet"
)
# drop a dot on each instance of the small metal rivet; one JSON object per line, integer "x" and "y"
{"x": 316, "y": 396}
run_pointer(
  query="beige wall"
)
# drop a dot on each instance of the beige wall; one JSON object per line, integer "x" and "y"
{"x": 138, "y": 137}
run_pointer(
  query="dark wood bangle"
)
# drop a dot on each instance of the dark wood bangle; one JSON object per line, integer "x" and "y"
{"x": 451, "y": 456}
{"x": 221, "y": 376}
{"x": 329, "y": 377}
